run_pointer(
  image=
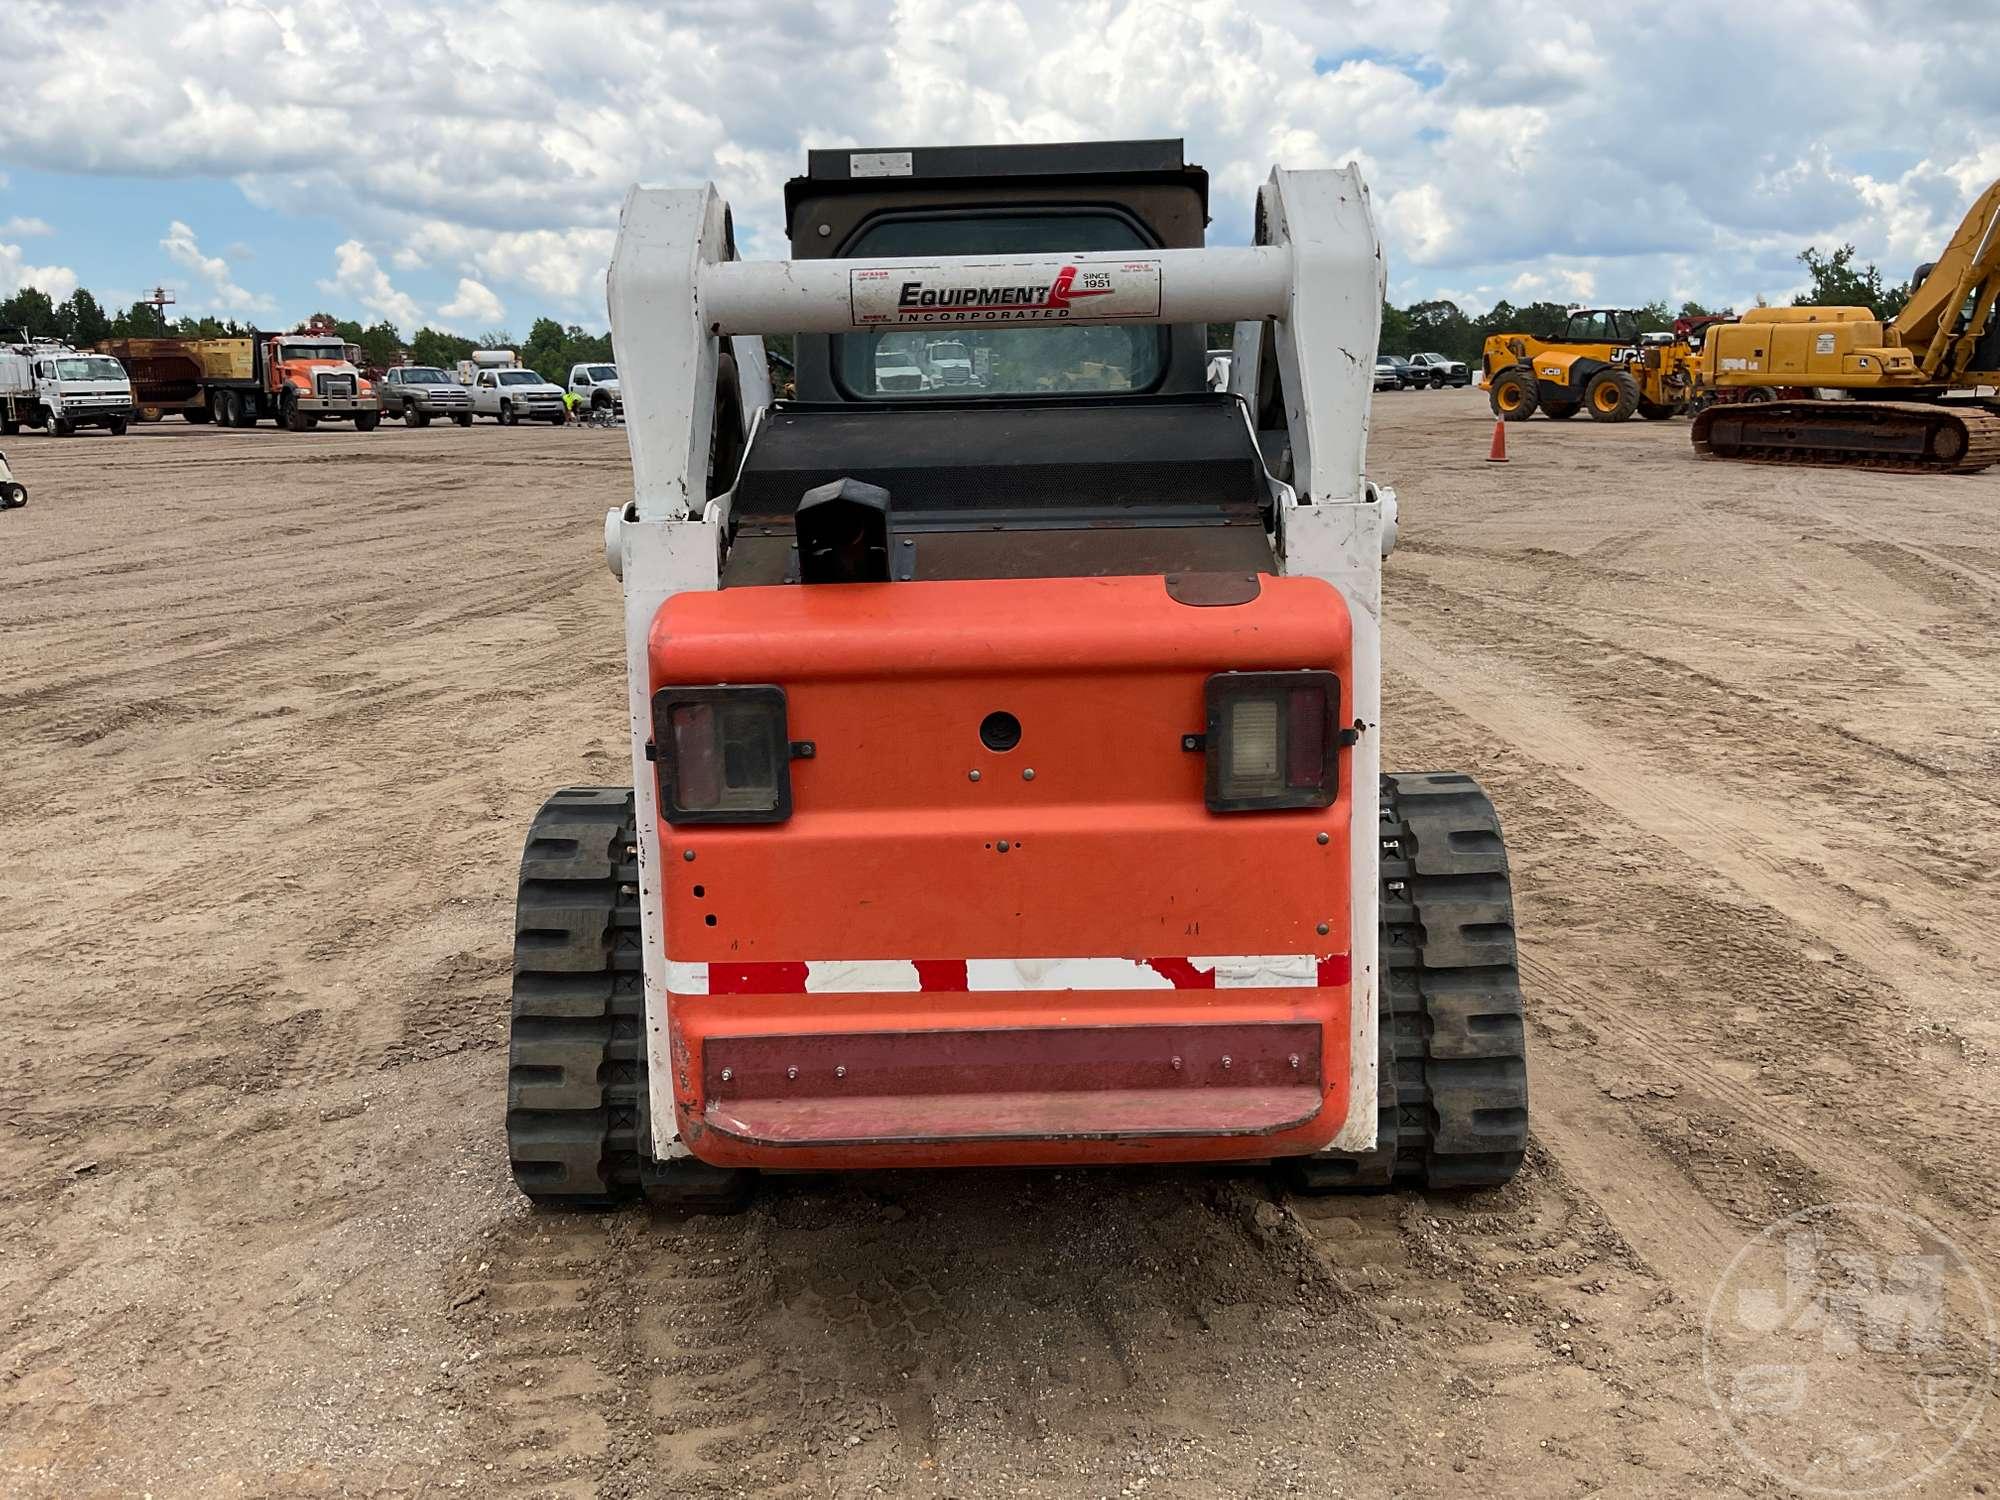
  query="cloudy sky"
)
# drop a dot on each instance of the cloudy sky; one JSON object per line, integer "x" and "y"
{"x": 462, "y": 163}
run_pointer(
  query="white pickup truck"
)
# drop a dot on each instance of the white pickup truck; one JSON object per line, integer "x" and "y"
{"x": 52, "y": 386}
{"x": 896, "y": 371}
{"x": 596, "y": 387}
{"x": 509, "y": 396}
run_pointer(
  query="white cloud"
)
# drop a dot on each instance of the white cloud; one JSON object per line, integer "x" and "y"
{"x": 358, "y": 276}
{"x": 1501, "y": 138}
{"x": 1557, "y": 283}
{"x": 15, "y": 273}
{"x": 473, "y": 307}
{"x": 24, "y": 228}
{"x": 212, "y": 273}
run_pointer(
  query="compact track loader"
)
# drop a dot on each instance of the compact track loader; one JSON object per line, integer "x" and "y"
{"x": 1006, "y": 753}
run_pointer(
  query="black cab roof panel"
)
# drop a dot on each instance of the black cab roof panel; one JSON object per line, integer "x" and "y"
{"x": 876, "y": 169}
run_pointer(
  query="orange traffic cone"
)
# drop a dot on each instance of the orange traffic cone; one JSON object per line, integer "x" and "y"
{"x": 1498, "y": 453}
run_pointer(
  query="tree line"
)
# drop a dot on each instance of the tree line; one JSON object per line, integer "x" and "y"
{"x": 1440, "y": 326}
{"x": 81, "y": 321}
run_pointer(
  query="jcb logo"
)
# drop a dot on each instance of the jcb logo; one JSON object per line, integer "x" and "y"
{"x": 1625, "y": 356}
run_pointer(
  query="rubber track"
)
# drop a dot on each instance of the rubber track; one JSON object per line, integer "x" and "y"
{"x": 1825, "y": 424}
{"x": 1453, "y": 1097}
{"x": 576, "y": 1076}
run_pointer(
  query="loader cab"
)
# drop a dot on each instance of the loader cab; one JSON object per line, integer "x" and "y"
{"x": 1600, "y": 325}
{"x": 1012, "y": 441}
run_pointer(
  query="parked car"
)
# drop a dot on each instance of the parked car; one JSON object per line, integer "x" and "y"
{"x": 509, "y": 395}
{"x": 1392, "y": 372}
{"x": 596, "y": 387}
{"x": 416, "y": 393}
{"x": 1436, "y": 371}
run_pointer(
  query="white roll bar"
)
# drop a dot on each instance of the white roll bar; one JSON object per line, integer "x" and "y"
{"x": 1093, "y": 288}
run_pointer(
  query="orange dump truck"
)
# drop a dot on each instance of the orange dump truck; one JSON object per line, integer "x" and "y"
{"x": 295, "y": 379}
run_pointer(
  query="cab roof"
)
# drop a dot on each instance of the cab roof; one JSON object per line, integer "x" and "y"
{"x": 873, "y": 169}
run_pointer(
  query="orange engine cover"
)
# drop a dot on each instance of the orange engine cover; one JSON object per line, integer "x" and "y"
{"x": 1055, "y": 953}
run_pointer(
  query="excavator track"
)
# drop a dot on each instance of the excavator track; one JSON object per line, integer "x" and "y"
{"x": 1903, "y": 437}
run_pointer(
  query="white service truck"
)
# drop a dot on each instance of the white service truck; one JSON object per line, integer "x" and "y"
{"x": 47, "y": 384}
{"x": 486, "y": 359}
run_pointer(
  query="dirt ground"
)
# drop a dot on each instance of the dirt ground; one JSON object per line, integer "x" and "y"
{"x": 275, "y": 712}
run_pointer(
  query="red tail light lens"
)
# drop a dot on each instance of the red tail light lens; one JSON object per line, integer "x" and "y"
{"x": 1271, "y": 740}
{"x": 724, "y": 754}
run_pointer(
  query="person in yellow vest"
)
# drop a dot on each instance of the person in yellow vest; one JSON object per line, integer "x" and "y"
{"x": 572, "y": 405}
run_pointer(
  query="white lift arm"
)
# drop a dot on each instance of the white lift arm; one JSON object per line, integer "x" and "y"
{"x": 1311, "y": 289}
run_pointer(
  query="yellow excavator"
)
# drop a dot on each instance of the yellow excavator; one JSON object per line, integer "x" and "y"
{"x": 1907, "y": 393}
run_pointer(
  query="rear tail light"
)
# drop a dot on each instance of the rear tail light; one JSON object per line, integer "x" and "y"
{"x": 724, "y": 754}
{"x": 1271, "y": 740}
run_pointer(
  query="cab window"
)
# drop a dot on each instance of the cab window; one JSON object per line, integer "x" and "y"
{"x": 1602, "y": 327}
{"x": 1025, "y": 361}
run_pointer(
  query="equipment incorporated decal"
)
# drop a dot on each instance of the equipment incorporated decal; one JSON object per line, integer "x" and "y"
{"x": 1004, "y": 292}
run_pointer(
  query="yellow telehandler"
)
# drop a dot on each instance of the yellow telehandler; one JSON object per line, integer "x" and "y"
{"x": 1599, "y": 363}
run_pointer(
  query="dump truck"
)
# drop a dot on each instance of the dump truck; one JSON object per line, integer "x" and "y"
{"x": 295, "y": 379}
{"x": 44, "y": 383}
{"x": 1006, "y": 763}
{"x": 1909, "y": 394}
{"x": 1599, "y": 363}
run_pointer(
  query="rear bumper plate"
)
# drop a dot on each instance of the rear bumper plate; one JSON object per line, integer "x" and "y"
{"x": 1127, "y": 1083}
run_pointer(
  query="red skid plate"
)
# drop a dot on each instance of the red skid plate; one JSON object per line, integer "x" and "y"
{"x": 1014, "y": 1083}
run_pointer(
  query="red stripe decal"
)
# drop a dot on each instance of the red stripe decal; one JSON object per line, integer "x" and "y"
{"x": 942, "y": 974}
{"x": 757, "y": 979}
{"x": 1334, "y": 970}
{"x": 1183, "y": 973}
